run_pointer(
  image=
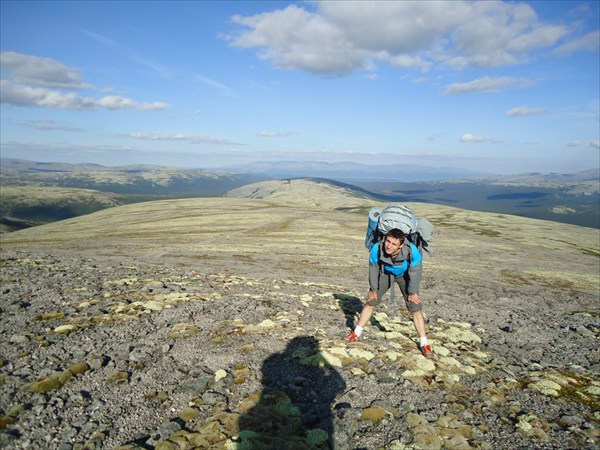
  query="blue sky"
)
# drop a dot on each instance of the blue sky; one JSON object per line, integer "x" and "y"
{"x": 502, "y": 87}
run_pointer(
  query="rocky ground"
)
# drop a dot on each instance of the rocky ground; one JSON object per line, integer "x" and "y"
{"x": 118, "y": 353}
{"x": 219, "y": 323}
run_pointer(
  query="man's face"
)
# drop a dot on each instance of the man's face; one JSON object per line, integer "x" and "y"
{"x": 392, "y": 246}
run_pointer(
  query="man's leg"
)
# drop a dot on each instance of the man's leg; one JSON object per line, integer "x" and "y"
{"x": 416, "y": 311}
{"x": 365, "y": 315}
{"x": 368, "y": 309}
{"x": 419, "y": 322}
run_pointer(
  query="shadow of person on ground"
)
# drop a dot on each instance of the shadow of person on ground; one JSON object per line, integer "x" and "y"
{"x": 295, "y": 407}
{"x": 352, "y": 306}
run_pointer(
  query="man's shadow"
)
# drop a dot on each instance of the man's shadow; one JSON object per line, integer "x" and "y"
{"x": 352, "y": 306}
{"x": 295, "y": 406}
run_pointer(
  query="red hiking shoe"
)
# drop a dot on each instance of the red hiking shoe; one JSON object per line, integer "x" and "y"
{"x": 351, "y": 337}
{"x": 427, "y": 351}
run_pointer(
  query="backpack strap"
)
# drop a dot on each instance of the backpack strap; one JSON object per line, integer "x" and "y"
{"x": 392, "y": 296}
{"x": 380, "y": 264}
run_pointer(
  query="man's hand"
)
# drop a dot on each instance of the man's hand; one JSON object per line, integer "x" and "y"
{"x": 414, "y": 298}
{"x": 371, "y": 295}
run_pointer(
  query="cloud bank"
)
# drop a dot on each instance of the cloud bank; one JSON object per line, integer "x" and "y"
{"x": 524, "y": 111}
{"x": 339, "y": 38}
{"x": 268, "y": 133}
{"x": 471, "y": 138}
{"x": 34, "y": 80}
{"x": 488, "y": 84}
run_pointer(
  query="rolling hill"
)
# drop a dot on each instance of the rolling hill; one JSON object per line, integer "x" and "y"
{"x": 34, "y": 193}
{"x": 25, "y": 206}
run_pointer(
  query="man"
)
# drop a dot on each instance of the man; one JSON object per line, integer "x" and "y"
{"x": 396, "y": 260}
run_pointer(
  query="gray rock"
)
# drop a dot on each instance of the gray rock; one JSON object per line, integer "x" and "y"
{"x": 572, "y": 421}
{"x": 211, "y": 398}
{"x": 169, "y": 374}
{"x": 165, "y": 430}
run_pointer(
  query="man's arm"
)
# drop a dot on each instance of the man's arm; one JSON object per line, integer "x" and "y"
{"x": 374, "y": 268}
{"x": 373, "y": 276}
{"x": 415, "y": 271}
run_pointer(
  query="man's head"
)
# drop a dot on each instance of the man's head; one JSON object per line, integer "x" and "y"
{"x": 394, "y": 241}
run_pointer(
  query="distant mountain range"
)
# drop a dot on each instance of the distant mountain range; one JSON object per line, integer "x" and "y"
{"x": 353, "y": 171}
{"x": 36, "y": 192}
{"x": 146, "y": 180}
{"x": 12, "y": 169}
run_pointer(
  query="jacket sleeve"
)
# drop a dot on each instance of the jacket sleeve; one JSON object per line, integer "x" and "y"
{"x": 415, "y": 271}
{"x": 374, "y": 268}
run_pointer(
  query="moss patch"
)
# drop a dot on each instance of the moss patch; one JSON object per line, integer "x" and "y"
{"x": 569, "y": 385}
{"x": 57, "y": 380}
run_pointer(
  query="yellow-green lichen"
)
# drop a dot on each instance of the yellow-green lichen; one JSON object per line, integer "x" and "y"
{"x": 374, "y": 414}
{"x": 220, "y": 374}
{"x": 57, "y": 379}
{"x": 66, "y": 329}
{"x": 180, "y": 330}
{"x": 361, "y": 354}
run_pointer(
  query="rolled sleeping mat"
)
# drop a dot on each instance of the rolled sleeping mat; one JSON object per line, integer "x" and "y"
{"x": 372, "y": 227}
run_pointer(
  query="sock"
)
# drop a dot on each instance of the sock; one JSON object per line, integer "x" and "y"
{"x": 423, "y": 340}
{"x": 358, "y": 330}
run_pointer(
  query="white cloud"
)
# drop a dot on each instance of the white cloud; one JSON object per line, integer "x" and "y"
{"x": 117, "y": 102}
{"x": 338, "y": 38}
{"x": 41, "y": 72}
{"x": 194, "y": 139}
{"x": 294, "y": 38}
{"x": 498, "y": 34}
{"x": 487, "y": 84}
{"x": 595, "y": 143}
{"x": 28, "y": 96}
{"x": 524, "y": 111}
{"x": 20, "y": 95}
{"x": 266, "y": 133}
{"x": 589, "y": 42}
{"x": 32, "y": 82}
{"x": 468, "y": 137}
{"x": 574, "y": 144}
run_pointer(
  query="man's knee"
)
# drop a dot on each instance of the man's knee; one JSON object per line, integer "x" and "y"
{"x": 373, "y": 303}
{"x": 414, "y": 308}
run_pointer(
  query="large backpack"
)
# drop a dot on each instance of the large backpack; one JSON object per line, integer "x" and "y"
{"x": 417, "y": 231}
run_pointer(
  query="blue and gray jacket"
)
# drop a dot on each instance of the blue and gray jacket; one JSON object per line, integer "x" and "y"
{"x": 406, "y": 264}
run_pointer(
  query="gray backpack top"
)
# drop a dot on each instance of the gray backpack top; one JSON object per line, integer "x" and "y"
{"x": 418, "y": 231}
{"x": 397, "y": 216}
